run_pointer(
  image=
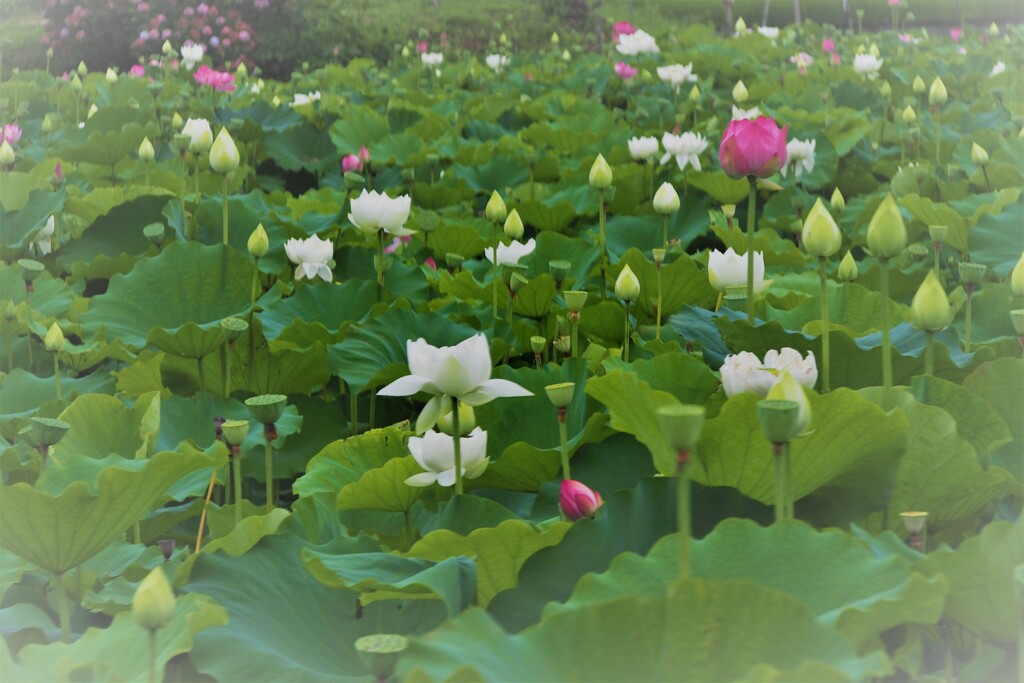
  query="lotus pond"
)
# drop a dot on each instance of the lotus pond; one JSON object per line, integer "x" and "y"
{"x": 729, "y": 330}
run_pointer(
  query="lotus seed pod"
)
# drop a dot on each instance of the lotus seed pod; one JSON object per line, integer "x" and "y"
{"x": 267, "y": 408}
{"x": 887, "y": 234}
{"x": 380, "y": 652}
{"x": 729, "y": 211}
{"x": 658, "y": 255}
{"x": 575, "y": 300}
{"x": 537, "y": 343}
{"x": 627, "y": 285}
{"x": 600, "y": 174}
{"x": 153, "y": 602}
{"x": 495, "y": 210}
{"x": 235, "y": 431}
{"x": 681, "y": 425}
{"x": 779, "y": 420}
{"x": 454, "y": 261}
{"x": 972, "y": 273}
{"x": 514, "y": 225}
{"x": 930, "y": 309}
{"x": 259, "y": 243}
{"x": 938, "y": 233}
{"x": 1017, "y": 320}
{"x": 561, "y": 394}
{"x": 563, "y": 344}
{"x": 848, "y": 268}
{"x": 914, "y": 521}
{"x": 233, "y": 328}
{"x": 559, "y": 269}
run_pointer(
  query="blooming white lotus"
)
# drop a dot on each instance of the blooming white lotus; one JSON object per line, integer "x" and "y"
{"x": 435, "y": 452}
{"x": 42, "y": 243}
{"x": 745, "y": 372}
{"x": 729, "y": 269}
{"x": 433, "y": 59}
{"x": 1000, "y": 67}
{"x": 769, "y": 32}
{"x": 739, "y": 114}
{"x": 461, "y": 372}
{"x": 685, "y": 148}
{"x": 638, "y": 43}
{"x": 497, "y": 62}
{"x": 192, "y": 54}
{"x": 200, "y": 133}
{"x": 310, "y": 256}
{"x": 799, "y": 153}
{"x": 642, "y": 149}
{"x": 306, "y": 98}
{"x": 676, "y": 74}
{"x": 867, "y": 65}
{"x": 371, "y": 212}
{"x": 511, "y": 253}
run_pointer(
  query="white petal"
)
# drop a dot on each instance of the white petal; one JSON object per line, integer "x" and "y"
{"x": 446, "y": 478}
{"x": 503, "y": 388}
{"x": 431, "y": 411}
{"x": 422, "y": 479}
{"x": 404, "y": 386}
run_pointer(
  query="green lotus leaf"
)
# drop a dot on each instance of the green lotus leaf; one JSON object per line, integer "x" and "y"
{"x": 645, "y": 232}
{"x": 324, "y": 311}
{"x": 552, "y": 246}
{"x": 497, "y": 173}
{"x": 499, "y": 552}
{"x": 722, "y": 188}
{"x": 681, "y": 283}
{"x": 24, "y": 392}
{"x": 682, "y": 375}
{"x": 360, "y": 126}
{"x": 461, "y": 515}
{"x": 245, "y": 212}
{"x": 976, "y": 420}
{"x": 603, "y": 323}
{"x": 535, "y": 298}
{"x": 15, "y": 193}
{"x": 995, "y": 239}
{"x": 999, "y": 383}
{"x": 345, "y": 461}
{"x": 104, "y": 215}
{"x": 638, "y": 638}
{"x": 547, "y": 218}
{"x": 103, "y": 425}
{"x": 455, "y": 238}
{"x": 21, "y": 226}
{"x": 50, "y": 297}
{"x": 854, "y": 307}
{"x": 189, "y": 288}
{"x": 301, "y": 147}
{"x": 383, "y": 488}
{"x": 107, "y": 148}
{"x": 142, "y": 376}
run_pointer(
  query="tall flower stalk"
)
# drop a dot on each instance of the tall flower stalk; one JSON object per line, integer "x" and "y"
{"x": 887, "y": 238}
{"x": 681, "y": 427}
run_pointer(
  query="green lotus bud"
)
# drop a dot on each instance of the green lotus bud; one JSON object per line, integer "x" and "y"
{"x": 788, "y": 389}
{"x": 49, "y": 124}
{"x": 259, "y": 242}
{"x": 76, "y": 83}
{"x": 561, "y": 394}
{"x": 224, "y": 156}
{"x": 1017, "y": 320}
{"x": 739, "y": 93}
{"x": 514, "y": 225}
{"x": 9, "y": 311}
{"x": 972, "y": 273}
{"x": 600, "y": 173}
{"x": 379, "y": 653}
{"x": 740, "y": 26}
{"x": 666, "y": 199}
{"x": 176, "y": 121}
{"x": 82, "y": 68}
{"x": 909, "y": 115}
{"x": 153, "y": 602}
{"x": 6, "y": 154}
{"x": 1016, "y": 278}
{"x": 406, "y": 52}
{"x": 537, "y": 343}
{"x": 111, "y": 75}
{"x": 467, "y": 420}
{"x": 848, "y": 268}
{"x": 495, "y": 210}
{"x": 658, "y": 255}
{"x": 575, "y": 300}
{"x": 937, "y": 94}
{"x": 919, "y": 86}
{"x": 267, "y": 409}
{"x": 820, "y": 234}
{"x": 694, "y": 95}
{"x": 54, "y": 340}
{"x": 235, "y": 431}
{"x": 566, "y": 56}
{"x": 993, "y": 29}
{"x": 885, "y": 89}
{"x": 92, "y": 111}
{"x": 930, "y": 309}
{"x": 837, "y": 201}
{"x": 779, "y": 420}
{"x": 167, "y": 48}
{"x": 873, "y": 50}
{"x": 554, "y": 38}
{"x": 242, "y": 71}
{"x": 978, "y": 154}
{"x": 681, "y": 425}
{"x": 938, "y": 233}
{"x": 146, "y": 151}
{"x": 887, "y": 234}
{"x": 627, "y": 286}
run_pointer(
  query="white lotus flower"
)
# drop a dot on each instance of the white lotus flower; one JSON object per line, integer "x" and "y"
{"x": 371, "y": 212}
{"x": 729, "y": 269}
{"x": 769, "y": 32}
{"x": 803, "y": 370}
{"x": 867, "y": 65}
{"x": 738, "y": 114}
{"x": 800, "y": 153}
{"x": 644, "y": 148}
{"x": 306, "y": 98}
{"x": 497, "y": 62}
{"x": 512, "y": 252}
{"x": 42, "y": 244}
{"x": 685, "y": 148}
{"x": 435, "y": 452}
{"x": 746, "y": 372}
{"x": 676, "y": 74}
{"x": 310, "y": 256}
{"x": 434, "y": 59}
{"x": 200, "y": 133}
{"x": 192, "y": 54}
{"x": 1000, "y": 67}
{"x": 462, "y": 372}
{"x": 638, "y": 43}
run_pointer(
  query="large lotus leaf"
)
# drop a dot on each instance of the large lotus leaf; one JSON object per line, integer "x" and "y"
{"x": 462, "y": 515}
{"x": 499, "y": 551}
{"x": 96, "y": 253}
{"x": 50, "y": 296}
{"x": 552, "y": 246}
{"x": 245, "y": 211}
{"x": 1000, "y": 384}
{"x": 681, "y": 283}
{"x": 989, "y": 321}
{"x": 374, "y": 353}
{"x": 455, "y": 238}
{"x": 546, "y": 218}
{"x": 630, "y": 520}
{"x": 498, "y": 173}
{"x": 996, "y": 239}
{"x": 603, "y": 323}
{"x": 106, "y": 148}
{"x": 324, "y": 309}
{"x": 722, "y": 188}
{"x": 16, "y": 190}
{"x": 976, "y": 420}
{"x": 21, "y": 226}
{"x": 464, "y": 287}
{"x": 345, "y": 461}
{"x": 102, "y": 425}
{"x": 24, "y": 392}
{"x": 60, "y": 531}
{"x": 855, "y": 308}
{"x": 980, "y": 573}
{"x": 680, "y": 374}
{"x": 358, "y": 127}
{"x": 120, "y": 651}
{"x": 301, "y": 148}
{"x": 647, "y": 639}
{"x": 187, "y": 283}
{"x": 848, "y": 460}
{"x": 383, "y": 488}
{"x": 939, "y": 473}
{"x": 303, "y": 633}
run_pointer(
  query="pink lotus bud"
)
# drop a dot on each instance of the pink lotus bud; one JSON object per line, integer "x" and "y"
{"x": 578, "y": 500}
{"x": 622, "y": 28}
{"x": 431, "y": 262}
{"x": 835, "y": 59}
{"x": 421, "y": 46}
{"x": 58, "y": 173}
{"x": 956, "y": 34}
{"x": 138, "y": 71}
{"x": 828, "y": 45}
{"x": 364, "y": 155}
{"x": 624, "y": 71}
{"x": 753, "y": 147}
{"x": 351, "y": 163}
{"x": 10, "y": 133}
{"x": 894, "y": 3}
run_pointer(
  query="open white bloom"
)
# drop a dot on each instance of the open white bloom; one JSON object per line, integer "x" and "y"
{"x": 867, "y": 65}
{"x": 497, "y": 62}
{"x": 769, "y": 32}
{"x": 435, "y": 452}
{"x": 685, "y": 148}
{"x": 644, "y": 148}
{"x": 638, "y": 43}
{"x": 745, "y": 372}
{"x": 461, "y": 372}
{"x": 999, "y": 68}
{"x": 42, "y": 243}
{"x": 803, "y": 370}
{"x": 310, "y": 256}
{"x": 192, "y": 54}
{"x": 432, "y": 58}
{"x": 511, "y": 252}
{"x": 751, "y": 113}
{"x": 200, "y": 133}
{"x": 306, "y": 98}
{"x": 729, "y": 269}
{"x": 676, "y": 74}
{"x": 371, "y": 212}
{"x": 800, "y": 153}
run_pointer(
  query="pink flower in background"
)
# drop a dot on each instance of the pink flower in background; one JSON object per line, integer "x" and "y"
{"x": 421, "y": 46}
{"x": 956, "y": 34}
{"x": 904, "y": 37}
{"x": 835, "y": 59}
{"x": 397, "y": 242}
{"x": 138, "y": 71}
{"x": 624, "y": 71}
{"x": 350, "y": 163}
{"x": 10, "y": 133}
{"x": 894, "y": 3}
{"x": 622, "y": 28}
{"x": 218, "y": 80}
{"x": 364, "y": 155}
{"x": 578, "y": 500}
{"x": 828, "y": 45}
{"x": 528, "y": 76}
{"x": 430, "y": 262}
{"x": 58, "y": 173}
{"x": 753, "y": 147}
{"x": 802, "y": 61}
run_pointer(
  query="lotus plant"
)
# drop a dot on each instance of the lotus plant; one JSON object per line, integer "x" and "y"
{"x": 311, "y": 255}
{"x": 821, "y": 239}
{"x": 375, "y": 214}
{"x": 887, "y": 238}
{"x": 435, "y": 453}
{"x": 577, "y": 500}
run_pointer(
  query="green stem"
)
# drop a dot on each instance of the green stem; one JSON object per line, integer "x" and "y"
{"x": 825, "y": 357}
{"x": 380, "y": 264}
{"x": 353, "y": 411}
{"x": 883, "y": 265}
{"x": 683, "y": 516}
{"x": 457, "y": 442}
{"x": 780, "y": 483}
{"x": 10, "y": 351}
{"x": 664, "y": 232}
{"x": 604, "y": 243}
{"x": 574, "y": 332}
{"x": 495, "y": 276}
{"x": 56, "y": 376}
{"x": 236, "y": 467}
{"x": 63, "y": 609}
{"x": 137, "y": 532}
{"x": 657, "y": 323}
{"x": 787, "y": 467}
{"x": 147, "y": 173}
{"x": 938, "y": 143}
{"x": 563, "y": 439}
{"x": 152, "y": 656}
{"x": 269, "y": 472}
{"x": 625, "y": 339}
{"x": 967, "y": 320}
{"x": 988, "y": 182}
{"x": 937, "y": 249}
{"x": 224, "y": 208}
{"x": 751, "y": 224}
{"x": 252, "y": 313}
{"x": 929, "y": 354}
{"x": 373, "y": 409}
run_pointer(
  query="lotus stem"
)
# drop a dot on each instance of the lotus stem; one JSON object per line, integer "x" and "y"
{"x": 683, "y": 515}
{"x": 10, "y": 351}
{"x": 984, "y": 172}
{"x": 751, "y": 225}
{"x": 63, "y": 610}
{"x": 269, "y": 463}
{"x": 224, "y": 207}
{"x": 147, "y": 167}
{"x": 780, "y": 483}
{"x": 936, "y": 250}
{"x": 152, "y": 656}
{"x": 563, "y": 440}
{"x": 202, "y": 374}
{"x": 650, "y": 177}
{"x": 825, "y": 357}
{"x": 353, "y": 411}
{"x": 929, "y": 354}
{"x": 457, "y": 442}
{"x": 574, "y": 334}
{"x": 380, "y": 264}
{"x": 664, "y": 232}
{"x": 625, "y": 338}
{"x": 604, "y": 243}
{"x": 236, "y": 466}
{"x": 495, "y": 276}
{"x": 969, "y": 289}
{"x": 206, "y": 503}
{"x": 657, "y": 323}
{"x": 787, "y": 468}
{"x": 883, "y": 265}
{"x": 56, "y": 376}
{"x": 938, "y": 144}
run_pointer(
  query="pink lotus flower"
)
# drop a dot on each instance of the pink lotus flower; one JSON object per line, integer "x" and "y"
{"x": 138, "y": 71}
{"x": 802, "y": 61}
{"x": 904, "y": 37}
{"x": 828, "y": 45}
{"x": 421, "y": 46}
{"x": 577, "y": 500}
{"x": 431, "y": 262}
{"x": 624, "y": 71}
{"x": 58, "y": 174}
{"x": 753, "y": 147}
{"x": 350, "y": 163}
{"x": 218, "y": 80}
{"x": 894, "y": 3}
{"x": 956, "y": 34}
{"x": 835, "y": 59}
{"x": 622, "y": 28}
{"x": 364, "y": 155}
{"x": 396, "y": 243}
{"x": 10, "y": 133}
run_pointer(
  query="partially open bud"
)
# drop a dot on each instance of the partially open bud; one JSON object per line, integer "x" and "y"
{"x": 627, "y": 285}
{"x": 978, "y": 154}
{"x": 937, "y": 94}
{"x": 930, "y": 309}
{"x": 146, "y": 151}
{"x": 54, "y": 340}
{"x": 561, "y": 394}
{"x": 887, "y": 234}
{"x": 838, "y": 202}
{"x": 600, "y": 174}
{"x": 1016, "y": 278}
{"x": 467, "y": 420}
{"x": 779, "y": 419}
{"x": 577, "y": 500}
{"x": 224, "y": 156}
{"x": 681, "y": 426}
{"x": 495, "y": 210}
{"x": 235, "y": 431}
{"x": 788, "y": 389}
{"x": 919, "y": 86}
{"x": 259, "y": 242}
{"x": 666, "y": 199}
{"x": 153, "y": 602}
{"x": 909, "y": 115}
{"x": 739, "y": 93}
{"x": 847, "y": 268}
{"x": 514, "y": 225}
{"x": 820, "y": 234}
